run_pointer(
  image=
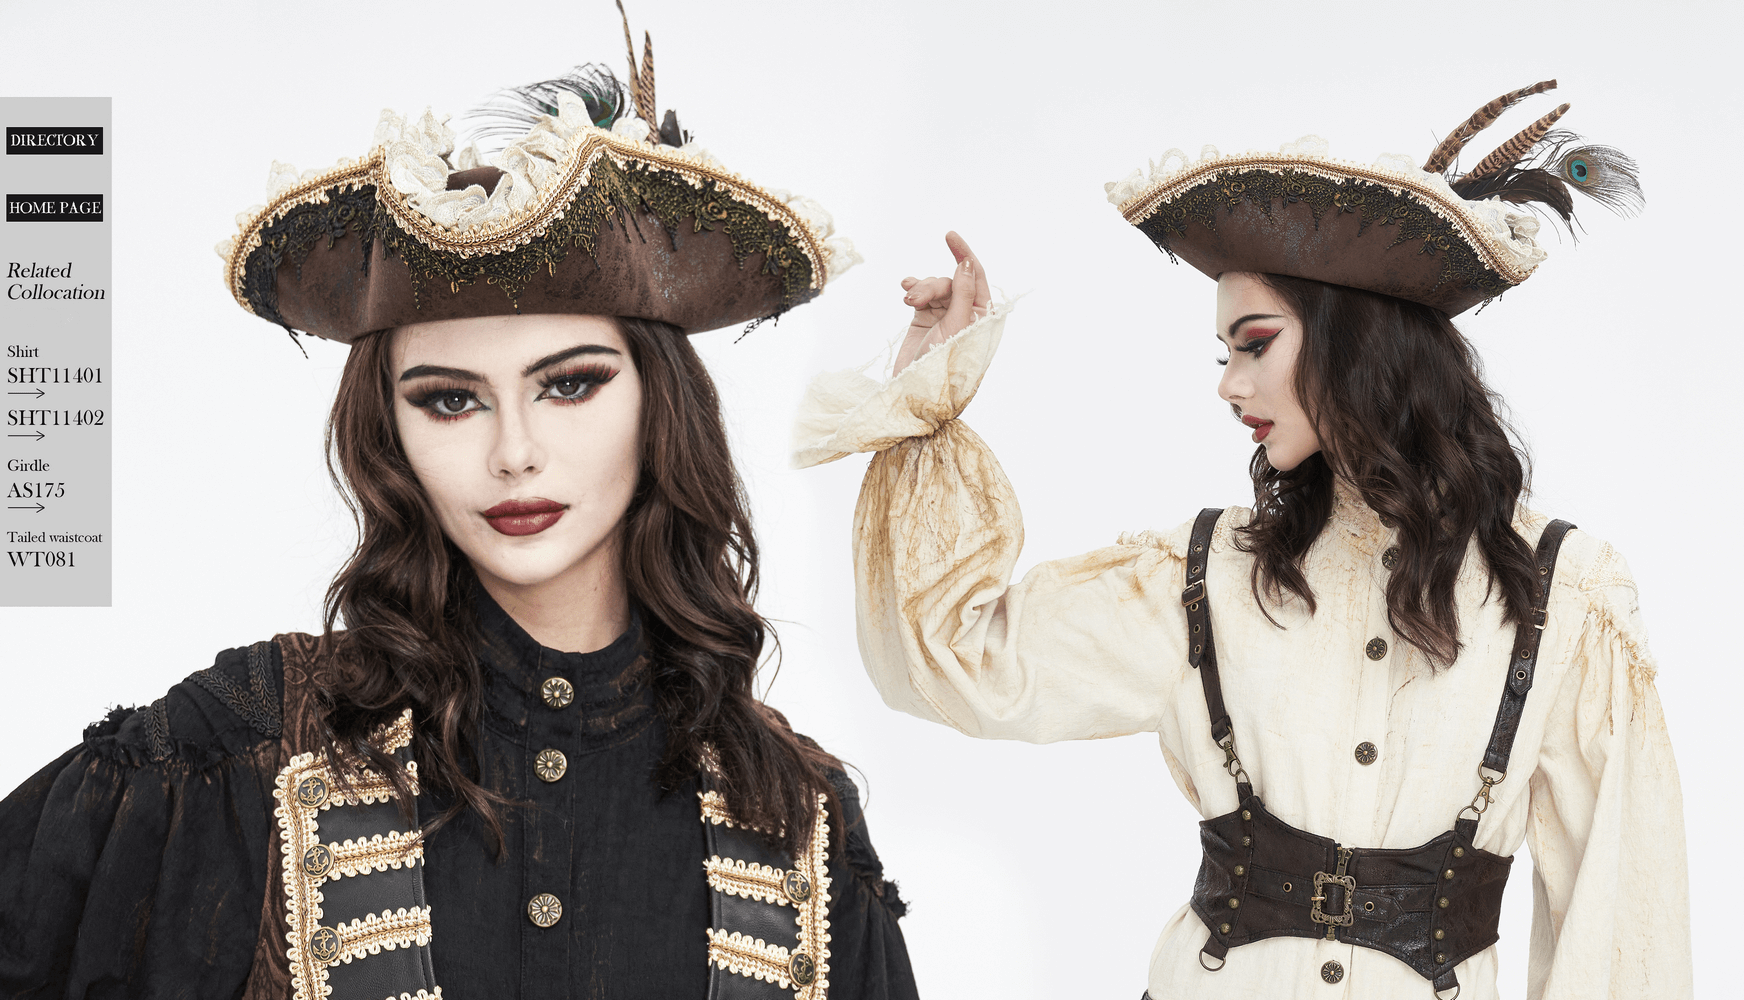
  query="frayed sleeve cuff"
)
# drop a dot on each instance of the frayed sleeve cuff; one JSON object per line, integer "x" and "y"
{"x": 846, "y": 412}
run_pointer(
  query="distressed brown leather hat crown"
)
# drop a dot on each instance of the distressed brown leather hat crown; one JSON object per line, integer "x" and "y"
{"x": 1429, "y": 234}
{"x": 590, "y": 211}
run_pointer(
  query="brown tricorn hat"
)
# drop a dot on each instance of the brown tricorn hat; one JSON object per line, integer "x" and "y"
{"x": 1429, "y": 234}
{"x": 590, "y": 211}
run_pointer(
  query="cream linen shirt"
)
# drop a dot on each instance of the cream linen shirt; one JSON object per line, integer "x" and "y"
{"x": 1095, "y": 646}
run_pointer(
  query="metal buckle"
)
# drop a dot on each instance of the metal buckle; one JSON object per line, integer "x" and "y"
{"x": 1318, "y": 915}
{"x": 1195, "y": 592}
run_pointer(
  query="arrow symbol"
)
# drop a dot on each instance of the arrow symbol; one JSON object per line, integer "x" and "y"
{"x": 38, "y": 508}
{"x": 38, "y": 394}
{"x": 38, "y": 435}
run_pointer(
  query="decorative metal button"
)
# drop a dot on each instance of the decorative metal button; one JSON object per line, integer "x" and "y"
{"x": 550, "y": 764}
{"x": 1376, "y": 648}
{"x": 1332, "y": 972}
{"x": 797, "y": 885}
{"x": 557, "y": 692}
{"x": 1442, "y": 902}
{"x": 1223, "y": 928}
{"x": 1246, "y": 815}
{"x": 544, "y": 910}
{"x": 1459, "y": 852}
{"x": 1234, "y": 903}
{"x": 1240, "y": 870}
{"x": 802, "y": 968}
{"x": 1390, "y": 558}
{"x": 324, "y": 944}
{"x": 312, "y": 792}
{"x": 1247, "y": 841}
{"x": 317, "y": 861}
{"x": 1366, "y": 753}
{"x": 1447, "y": 874}
{"x": 1439, "y": 933}
{"x": 1440, "y": 957}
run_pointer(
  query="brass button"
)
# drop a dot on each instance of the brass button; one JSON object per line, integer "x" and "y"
{"x": 1332, "y": 972}
{"x": 324, "y": 944}
{"x": 1240, "y": 870}
{"x": 544, "y": 910}
{"x": 1439, "y": 933}
{"x": 312, "y": 792}
{"x": 1246, "y": 815}
{"x": 550, "y": 764}
{"x": 317, "y": 861}
{"x": 1459, "y": 852}
{"x": 1223, "y": 928}
{"x": 1390, "y": 558}
{"x": 1442, "y": 902}
{"x": 557, "y": 692}
{"x": 1247, "y": 841}
{"x": 1376, "y": 648}
{"x": 1447, "y": 874}
{"x": 1440, "y": 957}
{"x": 798, "y": 886}
{"x": 802, "y": 968}
{"x": 1366, "y": 753}
{"x": 1234, "y": 903}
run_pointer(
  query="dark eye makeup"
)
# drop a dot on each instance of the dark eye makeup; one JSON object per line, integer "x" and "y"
{"x": 1256, "y": 345}
{"x": 577, "y": 384}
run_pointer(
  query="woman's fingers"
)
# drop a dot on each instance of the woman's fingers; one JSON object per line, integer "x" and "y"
{"x": 960, "y": 249}
{"x": 961, "y": 312}
{"x": 909, "y": 282}
{"x": 928, "y": 293}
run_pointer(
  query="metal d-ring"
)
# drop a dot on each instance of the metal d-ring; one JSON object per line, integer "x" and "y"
{"x": 1220, "y": 962}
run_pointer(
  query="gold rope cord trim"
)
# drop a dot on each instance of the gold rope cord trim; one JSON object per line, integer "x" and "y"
{"x": 1141, "y": 207}
{"x": 298, "y": 812}
{"x": 741, "y": 954}
{"x": 420, "y": 995}
{"x": 752, "y": 881}
{"x": 395, "y": 849}
{"x": 368, "y": 935}
{"x": 746, "y": 956}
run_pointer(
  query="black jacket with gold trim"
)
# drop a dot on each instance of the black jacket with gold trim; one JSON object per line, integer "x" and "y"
{"x": 136, "y": 865}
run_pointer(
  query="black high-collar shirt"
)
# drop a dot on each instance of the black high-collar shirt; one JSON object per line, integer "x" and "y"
{"x": 135, "y": 865}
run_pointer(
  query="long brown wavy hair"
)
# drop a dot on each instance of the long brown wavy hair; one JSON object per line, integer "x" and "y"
{"x": 689, "y": 559}
{"x": 1398, "y": 398}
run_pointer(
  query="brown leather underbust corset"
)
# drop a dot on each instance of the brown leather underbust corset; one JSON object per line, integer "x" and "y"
{"x": 1430, "y": 907}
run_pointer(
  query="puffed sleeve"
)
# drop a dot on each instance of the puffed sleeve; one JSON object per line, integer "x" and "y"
{"x": 1076, "y": 650}
{"x": 1610, "y": 878}
{"x": 135, "y": 865}
{"x": 868, "y": 957}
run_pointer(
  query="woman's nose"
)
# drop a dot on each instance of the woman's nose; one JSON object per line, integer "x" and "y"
{"x": 1234, "y": 387}
{"x": 516, "y": 450}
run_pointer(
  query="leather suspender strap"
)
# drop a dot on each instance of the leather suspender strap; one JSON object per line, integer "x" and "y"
{"x": 1523, "y": 663}
{"x": 1201, "y": 652}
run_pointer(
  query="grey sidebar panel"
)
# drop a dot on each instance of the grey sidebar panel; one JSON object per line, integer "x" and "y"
{"x": 55, "y": 330}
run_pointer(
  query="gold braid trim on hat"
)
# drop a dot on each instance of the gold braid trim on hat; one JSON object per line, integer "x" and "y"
{"x": 1142, "y": 206}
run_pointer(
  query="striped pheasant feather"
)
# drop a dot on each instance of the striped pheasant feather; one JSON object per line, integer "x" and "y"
{"x": 1481, "y": 119}
{"x": 1512, "y": 151}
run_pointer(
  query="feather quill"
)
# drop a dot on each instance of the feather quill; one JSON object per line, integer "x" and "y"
{"x": 1558, "y": 164}
{"x": 509, "y": 113}
{"x": 640, "y": 85}
{"x": 1481, "y": 119}
{"x": 1516, "y": 149}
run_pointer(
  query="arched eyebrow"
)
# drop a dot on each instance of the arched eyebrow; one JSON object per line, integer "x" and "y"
{"x": 1250, "y": 317}
{"x": 564, "y": 355}
{"x": 462, "y": 375}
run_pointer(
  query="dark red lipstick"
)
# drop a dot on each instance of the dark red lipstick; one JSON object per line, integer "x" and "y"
{"x": 524, "y": 517}
{"x": 1261, "y": 427}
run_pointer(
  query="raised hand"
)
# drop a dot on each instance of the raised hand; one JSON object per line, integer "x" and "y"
{"x": 943, "y": 306}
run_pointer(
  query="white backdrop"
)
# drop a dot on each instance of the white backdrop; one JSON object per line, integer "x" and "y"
{"x": 1033, "y": 871}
